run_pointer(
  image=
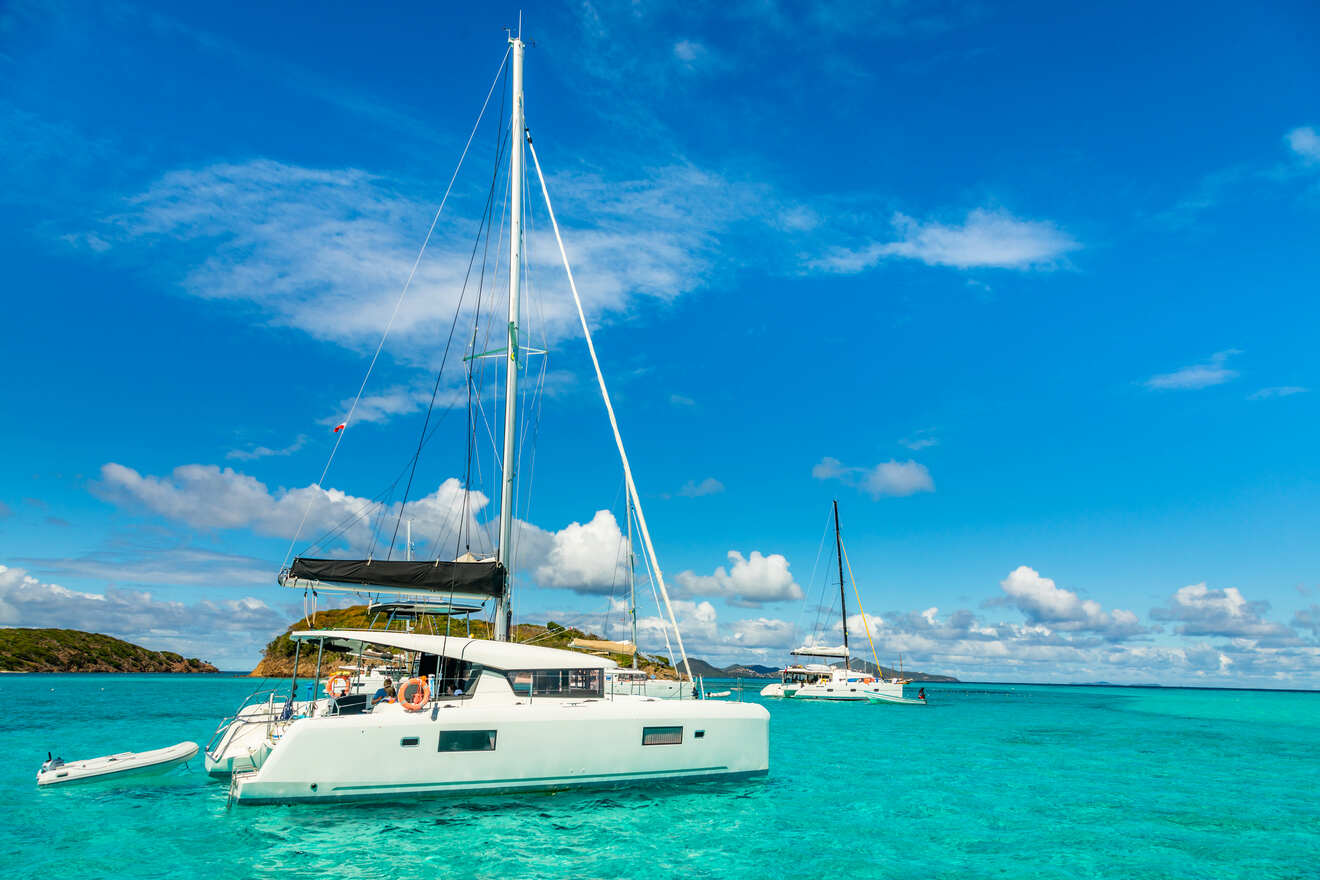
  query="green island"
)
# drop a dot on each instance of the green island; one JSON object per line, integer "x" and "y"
{"x": 71, "y": 650}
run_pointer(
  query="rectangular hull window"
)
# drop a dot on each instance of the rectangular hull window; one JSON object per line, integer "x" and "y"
{"x": 662, "y": 736}
{"x": 467, "y": 741}
{"x": 577, "y": 683}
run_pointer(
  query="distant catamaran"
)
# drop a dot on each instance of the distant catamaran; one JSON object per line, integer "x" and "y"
{"x": 478, "y": 715}
{"x": 821, "y": 681}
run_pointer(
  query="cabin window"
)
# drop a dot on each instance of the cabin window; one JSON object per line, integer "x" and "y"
{"x": 409, "y": 741}
{"x": 662, "y": 736}
{"x": 467, "y": 741}
{"x": 557, "y": 682}
{"x": 454, "y": 678}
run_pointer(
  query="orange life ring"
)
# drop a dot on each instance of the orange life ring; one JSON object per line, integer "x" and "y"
{"x": 346, "y": 685}
{"x": 421, "y": 692}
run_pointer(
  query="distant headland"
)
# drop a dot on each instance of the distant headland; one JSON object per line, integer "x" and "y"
{"x": 71, "y": 650}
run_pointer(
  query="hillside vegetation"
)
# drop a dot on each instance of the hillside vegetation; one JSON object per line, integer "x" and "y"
{"x": 71, "y": 650}
{"x": 277, "y": 657}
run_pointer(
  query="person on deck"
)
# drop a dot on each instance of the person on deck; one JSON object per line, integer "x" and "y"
{"x": 384, "y": 694}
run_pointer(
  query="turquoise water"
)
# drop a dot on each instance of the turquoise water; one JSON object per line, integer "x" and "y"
{"x": 995, "y": 781}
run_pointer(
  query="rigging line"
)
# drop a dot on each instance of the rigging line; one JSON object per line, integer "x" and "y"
{"x": 353, "y": 518}
{"x": 866, "y": 623}
{"x": 482, "y": 371}
{"x": 664, "y": 629}
{"x": 339, "y": 435}
{"x": 453, "y": 325}
{"x": 609, "y": 409}
{"x": 531, "y": 403}
{"x": 470, "y": 437}
{"x": 820, "y": 601}
{"x": 620, "y": 558}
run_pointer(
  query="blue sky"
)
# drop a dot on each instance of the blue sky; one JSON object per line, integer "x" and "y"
{"x": 1029, "y": 289}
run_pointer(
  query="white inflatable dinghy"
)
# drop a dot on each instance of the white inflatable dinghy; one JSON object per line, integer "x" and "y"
{"x": 57, "y": 771}
{"x": 889, "y": 698}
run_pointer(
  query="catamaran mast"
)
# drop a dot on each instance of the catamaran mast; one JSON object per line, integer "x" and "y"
{"x": 503, "y": 610}
{"x": 632, "y": 587}
{"x": 843, "y": 602}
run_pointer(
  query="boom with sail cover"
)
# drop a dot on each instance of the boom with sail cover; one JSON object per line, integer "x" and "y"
{"x": 394, "y": 576}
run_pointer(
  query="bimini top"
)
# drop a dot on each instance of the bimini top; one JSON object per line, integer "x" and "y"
{"x": 495, "y": 655}
{"x": 819, "y": 651}
{"x": 425, "y": 578}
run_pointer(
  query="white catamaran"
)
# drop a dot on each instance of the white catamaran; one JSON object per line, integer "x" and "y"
{"x": 476, "y": 715}
{"x": 822, "y": 681}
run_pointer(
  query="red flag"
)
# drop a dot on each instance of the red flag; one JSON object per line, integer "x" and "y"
{"x": 339, "y": 427}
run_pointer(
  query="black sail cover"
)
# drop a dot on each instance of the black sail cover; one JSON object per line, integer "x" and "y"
{"x": 472, "y": 578}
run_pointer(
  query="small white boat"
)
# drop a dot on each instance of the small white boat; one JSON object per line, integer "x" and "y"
{"x": 57, "y": 771}
{"x": 887, "y": 698}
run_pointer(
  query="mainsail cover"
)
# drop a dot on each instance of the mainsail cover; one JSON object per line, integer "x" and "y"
{"x": 602, "y": 645}
{"x": 465, "y": 578}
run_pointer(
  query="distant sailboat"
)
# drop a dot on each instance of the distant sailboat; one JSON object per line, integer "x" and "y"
{"x": 822, "y": 681}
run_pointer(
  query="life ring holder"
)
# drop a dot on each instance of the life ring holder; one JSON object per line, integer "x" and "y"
{"x": 422, "y": 690}
{"x": 342, "y": 679}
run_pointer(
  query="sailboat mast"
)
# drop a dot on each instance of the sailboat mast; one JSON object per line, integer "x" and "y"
{"x": 843, "y": 601}
{"x": 505, "y": 552}
{"x": 632, "y": 587}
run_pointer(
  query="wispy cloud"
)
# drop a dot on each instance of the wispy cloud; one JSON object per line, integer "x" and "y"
{"x": 696, "y": 57}
{"x": 1245, "y": 179}
{"x": 1305, "y": 143}
{"x": 922, "y": 438}
{"x": 255, "y": 452}
{"x": 987, "y": 238}
{"x": 1277, "y": 391}
{"x": 164, "y": 566}
{"x": 681, "y": 400}
{"x": 1213, "y": 372}
{"x": 708, "y": 486}
{"x": 892, "y": 478}
{"x": 326, "y": 251}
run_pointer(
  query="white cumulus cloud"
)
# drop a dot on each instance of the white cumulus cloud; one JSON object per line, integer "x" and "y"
{"x": 749, "y": 580}
{"x": 210, "y": 497}
{"x": 586, "y": 557}
{"x": 1202, "y": 611}
{"x": 1043, "y": 602}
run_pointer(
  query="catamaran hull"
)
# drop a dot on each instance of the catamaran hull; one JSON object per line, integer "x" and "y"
{"x": 592, "y": 744}
{"x": 880, "y": 692}
{"x": 241, "y": 738}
